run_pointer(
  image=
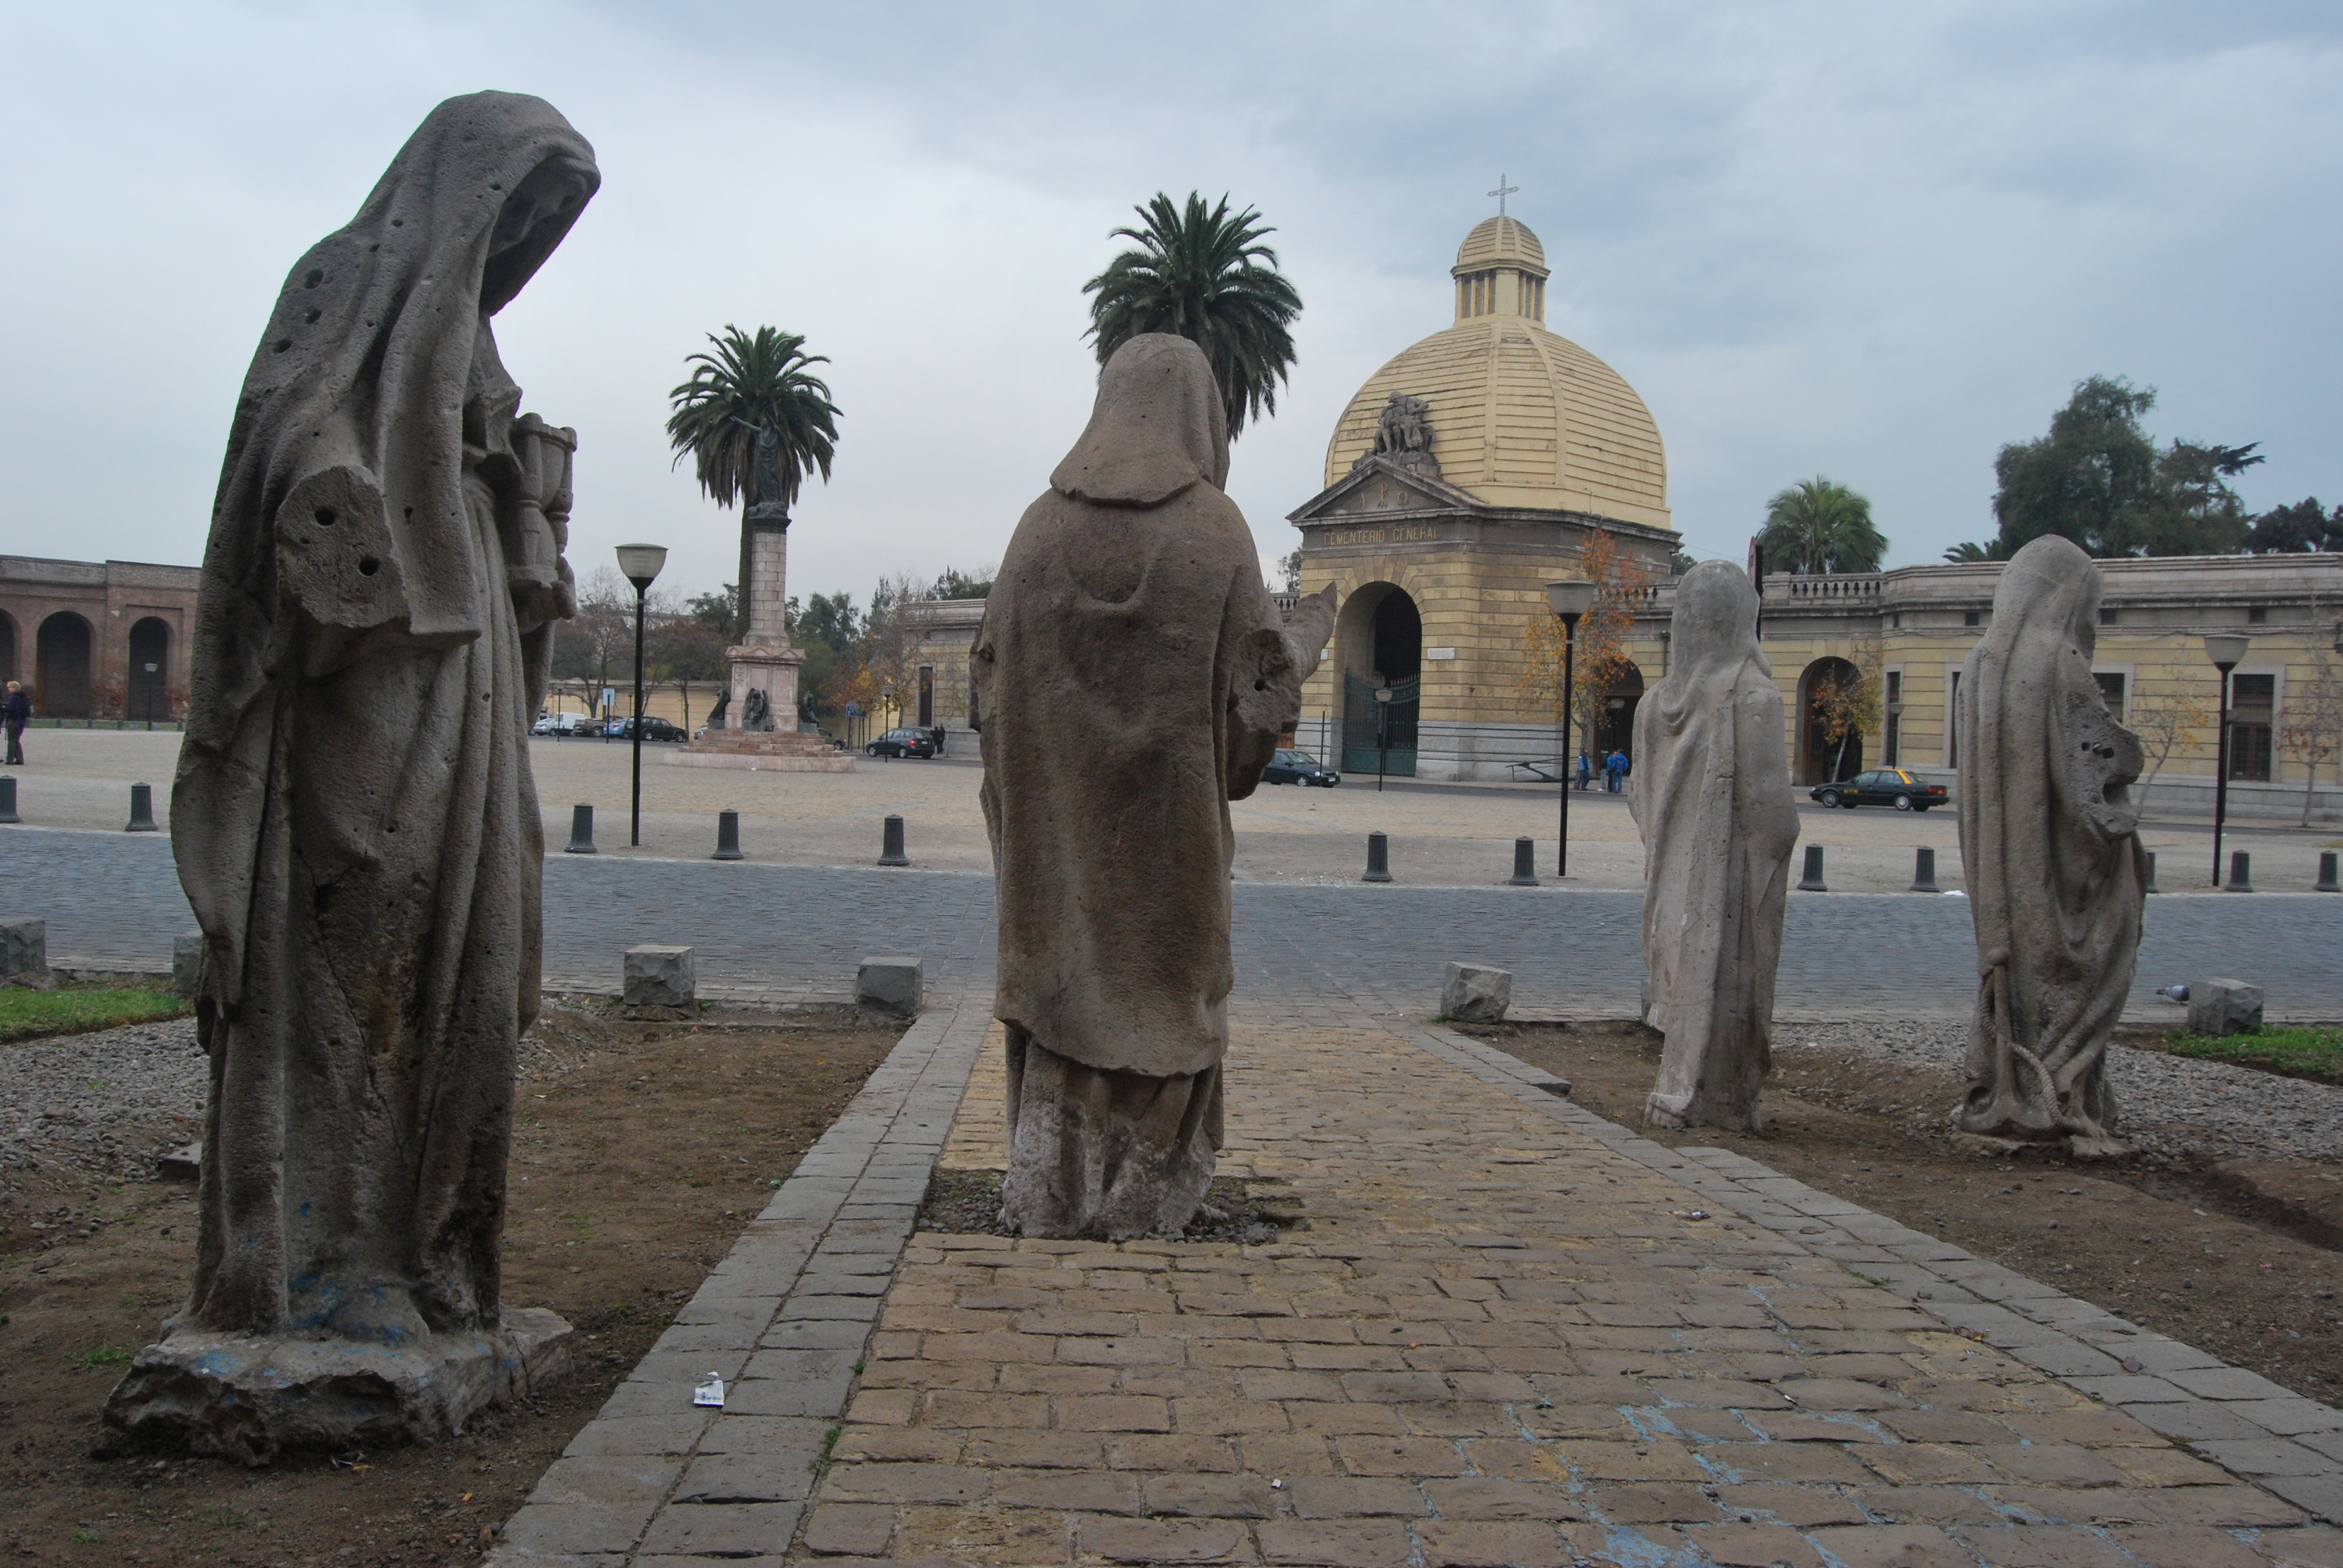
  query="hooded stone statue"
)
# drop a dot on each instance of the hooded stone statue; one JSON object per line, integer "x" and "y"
{"x": 354, "y": 818}
{"x": 1711, "y": 798}
{"x": 1132, "y": 678}
{"x": 2057, "y": 880}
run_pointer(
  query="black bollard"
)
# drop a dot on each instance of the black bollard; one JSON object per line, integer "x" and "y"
{"x": 1378, "y": 859}
{"x": 891, "y": 844}
{"x": 8, "y": 800}
{"x": 581, "y": 830}
{"x": 1525, "y": 864}
{"x": 2151, "y": 871}
{"x": 2241, "y": 873}
{"x": 2326, "y": 884}
{"x": 1923, "y": 870}
{"x": 1811, "y": 882}
{"x": 142, "y": 809}
{"x": 728, "y": 836}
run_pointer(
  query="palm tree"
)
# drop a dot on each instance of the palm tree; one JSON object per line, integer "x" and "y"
{"x": 1818, "y": 524}
{"x": 1968, "y": 551}
{"x": 751, "y": 387}
{"x": 1205, "y": 276}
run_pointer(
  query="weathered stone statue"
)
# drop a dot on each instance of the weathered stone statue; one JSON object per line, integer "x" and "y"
{"x": 1134, "y": 679}
{"x": 356, "y": 824}
{"x": 1404, "y": 436}
{"x": 1711, "y": 797}
{"x": 2057, "y": 877}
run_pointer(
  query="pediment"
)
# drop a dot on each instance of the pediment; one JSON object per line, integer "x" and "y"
{"x": 1379, "y": 486}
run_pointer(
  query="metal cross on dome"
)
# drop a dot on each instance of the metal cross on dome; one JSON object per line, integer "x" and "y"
{"x": 1502, "y": 192}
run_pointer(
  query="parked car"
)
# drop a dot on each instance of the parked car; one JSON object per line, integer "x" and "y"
{"x": 654, "y": 729}
{"x": 1298, "y": 767}
{"x": 564, "y": 724}
{"x": 1881, "y": 787}
{"x": 903, "y": 743}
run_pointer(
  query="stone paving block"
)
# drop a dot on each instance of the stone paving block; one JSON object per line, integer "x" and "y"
{"x": 772, "y": 1476}
{"x": 722, "y": 1530}
{"x": 1449, "y": 1544}
{"x": 2318, "y": 1495}
{"x": 2185, "y": 1546}
{"x": 2042, "y": 1546}
{"x": 1335, "y": 1543}
{"x": 851, "y": 1529}
{"x": 1893, "y": 1547}
{"x": 2265, "y": 1457}
{"x": 617, "y": 1482}
{"x": 2313, "y": 1547}
{"x": 1754, "y": 1545}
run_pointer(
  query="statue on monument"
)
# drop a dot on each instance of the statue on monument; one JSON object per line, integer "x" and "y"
{"x": 2057, "y": 877}
{"x": 355, "y": 821}
{"x": 1709, "y": 798}
{"x": 1134, "y": 678}
{"x": 1404, "y": 436}
{"x": 756, "y": 711}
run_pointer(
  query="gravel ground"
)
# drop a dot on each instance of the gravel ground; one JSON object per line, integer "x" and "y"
{"x": 2174, "y": 1107}
{"x": 63, "y": 1099}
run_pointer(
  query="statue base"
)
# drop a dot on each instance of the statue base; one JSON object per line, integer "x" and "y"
{"x": 770, "y": 671}
{"x": 250, "y": 1399}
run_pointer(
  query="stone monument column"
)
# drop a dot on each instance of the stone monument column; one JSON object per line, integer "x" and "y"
{"x": 765, "y": 662}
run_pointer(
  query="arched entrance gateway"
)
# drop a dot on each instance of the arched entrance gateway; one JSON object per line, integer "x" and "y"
{"x": 63, "y": 668}
{"x": 1615, "y": 729}
{"x": 1821, "y": 759}
{"x": 8, "y": 648}
{"x": 149, "y": 688}
{"x": 1379, "y": 646}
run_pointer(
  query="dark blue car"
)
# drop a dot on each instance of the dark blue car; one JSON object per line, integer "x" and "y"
{"x": 1298, "y": 767}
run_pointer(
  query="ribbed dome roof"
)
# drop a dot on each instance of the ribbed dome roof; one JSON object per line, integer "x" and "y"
{"x": 1521, "y": 418}
{"x": 1499, "y": 242}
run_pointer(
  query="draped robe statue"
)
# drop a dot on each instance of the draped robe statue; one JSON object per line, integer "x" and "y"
{"x": 2057, "y": 880}
{"x": 354, "y": 818}
{"x": 1711, "y": 797}
{"x": 1134, "y": 679}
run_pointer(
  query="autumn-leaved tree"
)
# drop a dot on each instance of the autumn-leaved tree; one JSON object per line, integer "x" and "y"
{"x": 1621, "y": 584}
{"x": 1848, "y": 702}
{"x": 2314, "y": 728}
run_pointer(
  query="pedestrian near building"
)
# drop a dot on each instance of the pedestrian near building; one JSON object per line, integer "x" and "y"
{"x": 17, "y": 712}
{"x": 1615, "y": 772}
{"x": 1585, "y": 769}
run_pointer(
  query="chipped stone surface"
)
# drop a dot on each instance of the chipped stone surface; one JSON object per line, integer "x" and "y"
{"x": 1475, "y": 993}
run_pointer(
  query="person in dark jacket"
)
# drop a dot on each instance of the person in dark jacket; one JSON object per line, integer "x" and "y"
{"x": 1614, "y": 768}
{"x": 16, "y": 711}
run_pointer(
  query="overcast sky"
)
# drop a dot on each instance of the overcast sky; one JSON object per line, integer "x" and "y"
{"x": 1872, "y": 242}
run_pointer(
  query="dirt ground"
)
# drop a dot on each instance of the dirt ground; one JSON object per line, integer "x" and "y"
{"x": 640, "y": 1152}
{"x": 2240, "y": 1259}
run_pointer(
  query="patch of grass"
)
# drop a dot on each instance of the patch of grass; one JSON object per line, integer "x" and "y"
{"x": 103, "y": 1356}
{"x": 2312, "y": 1053}
{"x": 74, "y": 1008}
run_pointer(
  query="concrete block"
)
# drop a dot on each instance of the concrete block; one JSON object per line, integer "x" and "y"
{"x": 2219, "y": 1007}
{"x": 894, "y": 984}
{"x": 1475, "y": 993}
{"x": 186, "y": 957}
{"x": 24, "y": 953}
{"x": 658, "y": 975}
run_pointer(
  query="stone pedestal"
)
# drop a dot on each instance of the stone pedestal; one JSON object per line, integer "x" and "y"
{"x": 764, "y": 664}
{"x": 251, "y": 1399}
{"x": 1475, "y": 993}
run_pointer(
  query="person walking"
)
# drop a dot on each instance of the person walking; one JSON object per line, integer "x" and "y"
{"x": 1615, "y": 771}
{"x": 16, "y": 711}
{"x": 1585, "y": 769}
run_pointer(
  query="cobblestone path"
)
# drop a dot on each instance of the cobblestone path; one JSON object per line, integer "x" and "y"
{"x": 795, "y": 932}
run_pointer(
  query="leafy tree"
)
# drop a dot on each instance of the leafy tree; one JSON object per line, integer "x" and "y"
{"x": 955, "y": 583}
{"x": 1620, "y": 580}
{"x": 720, "y": 611}
{"x": 1681, "y": 561}
{"x": 1818, "y": 525}
{"x": 1290, "y": 567}
{"x": 2162, "y": 722}
{"x": 686, "y": 648}
{"x": 1848, "y": 703}
{"x": 753, "y": 385}
{"x": 599, "y": 640}
{"x": 1206, "y": 277}
{"x": 1969, "y": 551}
{"x": 2304, "y": 526}
{"x": 2097, "y": 479}
{"x": 2314, "y": 727}
{"x": 827, "y": 619}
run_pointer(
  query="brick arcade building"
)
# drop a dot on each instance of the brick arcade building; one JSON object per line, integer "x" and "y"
{"x": 97, "y": 639}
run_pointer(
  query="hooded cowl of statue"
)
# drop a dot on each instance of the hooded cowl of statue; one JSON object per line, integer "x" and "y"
{"x": 1711, "y": 798}
{"x": 2057, "y": 876}
{"x": 1132, "y": 680}
{"x": 354, "y": 818}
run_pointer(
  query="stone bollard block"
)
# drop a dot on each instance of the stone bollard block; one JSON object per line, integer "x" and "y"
{"x": 658, "y": 975}
{"x": 2327, "y": 882}
{"x": 890, "y": 843}
{"x": 187, "y": 959}
{"x": 1811, "y": 882}
{"x": 581, "y": 830}
{"x": 2219, "y": 1007}
{"x": 2151, "y": 872}
{"x": 1475, "y": 993}
{"x": 142, "y": 809}
{"x": 2241, "y": 873}
{"x": 1923, "y": 870}
{"x": 1525, "y": 864}
{"x": 8, "y": 799}
{"x": 24, "y": 953}
{"x": 1378, "y": 859}
{"x": 728, "y": 836}
{"x": 892, "y": 984}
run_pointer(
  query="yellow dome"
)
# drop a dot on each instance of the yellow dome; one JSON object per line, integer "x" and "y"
{"x": 1519, "y": 416}
{"x": 1496, "y": 241}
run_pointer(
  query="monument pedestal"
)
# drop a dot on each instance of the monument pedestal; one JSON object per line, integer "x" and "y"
{"x": 251, "y": 1399}
{"x": 770, "y": 671}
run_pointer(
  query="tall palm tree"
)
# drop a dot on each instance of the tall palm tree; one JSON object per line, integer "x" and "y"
{"x": 1818, "y": 524}
{"x": 1205, "y": 276}
{"x": 747, "y": 387}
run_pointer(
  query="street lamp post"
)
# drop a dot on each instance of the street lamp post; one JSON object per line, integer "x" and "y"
{"x": 1383, "y": 732}
{"x": 642, "y": 565}
{"x": 1570, "y": 598}
{"x": 2227, "y": 650}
